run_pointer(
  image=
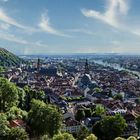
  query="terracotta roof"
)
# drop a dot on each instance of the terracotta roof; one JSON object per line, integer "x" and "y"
{"x": 16, "y": 123}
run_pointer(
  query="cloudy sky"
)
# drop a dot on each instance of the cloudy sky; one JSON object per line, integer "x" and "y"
{"x": 70, "y": 26}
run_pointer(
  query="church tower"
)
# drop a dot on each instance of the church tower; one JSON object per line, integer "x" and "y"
{"x": 86, "y": 67}
{"x": 38, "y": 68}
{"x": 38, "y": 65}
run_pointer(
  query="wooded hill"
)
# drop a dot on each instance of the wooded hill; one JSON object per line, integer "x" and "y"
{"x": 9, "y": 59}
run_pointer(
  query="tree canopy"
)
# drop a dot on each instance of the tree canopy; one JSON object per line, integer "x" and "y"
{"x": 132, "y": 138}
{"x": 16, "y": 113}
{"x": 17, "y": 134}
{"x": 83, "y": 133}
{"x": 80, "y": 114}
{"x": 33, "y": 94}
{"x": 8, "y": 94}
{"x": 4, "y": 125}
{"x": 119, "y": 138}
{"x": 138, "y": 124}
{"x": 91, "y": 137}
{"x": 99, "y": 110}
{"x": 63, "y": 136}
{"x": 109, "y": 127}
{"x": 44, "y": 118}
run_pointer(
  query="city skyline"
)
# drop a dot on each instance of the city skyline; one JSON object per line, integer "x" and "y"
{"x": 70, "y": 26}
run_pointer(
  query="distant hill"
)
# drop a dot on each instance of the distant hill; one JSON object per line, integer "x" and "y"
{"x": 9, "y": 59}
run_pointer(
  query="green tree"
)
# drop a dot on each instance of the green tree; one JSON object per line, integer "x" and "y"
{"x": 2, "y": 69}
{"x": 109, "y": 127}
{"x": 16, "y": 113}
{"x": 33, "y": 94}
{"x": 88, "y": 112}
{"x": 99, "y": 110}
{"x": 8, "y": 94}
{"x": 44, "y": 118}
{"x": 118, "y": 97}
{"x": 131, "y": 138}
{"x": 119, "y": 138}
{"x": 63, "y": 136}
{"x": 22, "y": 96}
{"x": 4, "y": 126}
{"x": 91, "y": 137}
{"x": 98, "y": 130}
{"x": 110, "y": 94}
{"x": 137, "y": 100}
{"x": 83, "y": 133}
{"x": 17, "y": 134}
{"x": 45, "y": 137}
{"x": 80, "y": 114}
{"x": 97, "y": 90}
{"x": 28, "y": 98}
{"x": 138, "y": 124}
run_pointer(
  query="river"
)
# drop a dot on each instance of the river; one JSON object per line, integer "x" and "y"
{"x": 116, "y": 66}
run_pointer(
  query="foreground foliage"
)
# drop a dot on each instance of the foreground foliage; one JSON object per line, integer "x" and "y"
{"x": 17, "y": 134}
{"x": 4, "y": 129}
{"x": 91, "y": 137}
{"x": 44, "y": 118}
{"x": 8, "y": 95}
{"x": 109, "y": 127}
{"x": 63, "y": 136}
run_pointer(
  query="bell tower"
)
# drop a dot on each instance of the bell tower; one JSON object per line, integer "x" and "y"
{"x": 38, "y": 65}
{"x": 86, "y": 67}
{"x": 38, "y": 68}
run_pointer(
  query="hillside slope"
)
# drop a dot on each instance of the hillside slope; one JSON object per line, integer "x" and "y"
{"x": 9, "y": 59}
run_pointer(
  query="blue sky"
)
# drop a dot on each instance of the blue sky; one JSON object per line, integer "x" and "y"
{"x": 70, "y": 26}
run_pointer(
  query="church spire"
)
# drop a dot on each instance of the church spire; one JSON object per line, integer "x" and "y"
{"x": 86, "y": 67}
{"x": 38, "y": 65}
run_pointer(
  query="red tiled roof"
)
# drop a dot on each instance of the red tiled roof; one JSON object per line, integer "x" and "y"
{"x": 16, "y": 123}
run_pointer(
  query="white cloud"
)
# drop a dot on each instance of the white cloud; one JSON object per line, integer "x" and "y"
{"x": 115, "y": 10}
{"x": 136, "y": 32}
{"x": 85, "y": 31}
{"x": 5, "y": 18}
{"x": 15, "y": 39}
{"x": 46, "y": 26}
{"x": 4, "y": 26}
{"x": 3, "y": 0}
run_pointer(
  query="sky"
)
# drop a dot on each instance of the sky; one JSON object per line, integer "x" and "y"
{"x": 30, "y": 27}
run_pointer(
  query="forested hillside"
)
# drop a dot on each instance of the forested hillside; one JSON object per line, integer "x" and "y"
{"x": 9, "y": 59}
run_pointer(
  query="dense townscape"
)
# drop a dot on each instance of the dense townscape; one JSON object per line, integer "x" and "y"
{"x": 69, "y": 69}
{"x": 69, "y": 97}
